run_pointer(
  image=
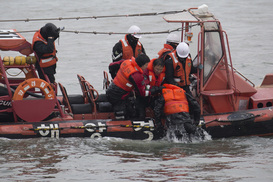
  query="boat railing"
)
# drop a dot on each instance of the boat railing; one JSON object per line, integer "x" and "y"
{"x": 245, "y": 78}
{"x": 231, "y": 66}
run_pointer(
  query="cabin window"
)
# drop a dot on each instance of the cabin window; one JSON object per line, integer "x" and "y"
{"x": 212, "y": 53}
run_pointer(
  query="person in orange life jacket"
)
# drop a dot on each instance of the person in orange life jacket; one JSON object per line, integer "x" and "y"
{"x": 129, "y": 78}
{"x": 155, "y": 74}
{"x": 179, "y": 67}
{"x": 171, "y": 43}
{"x": 126, "y": 48}
{"x": 175, "y": 105}
{"x": 44, "y": 48}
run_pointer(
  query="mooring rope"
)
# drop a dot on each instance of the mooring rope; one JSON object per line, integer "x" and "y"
{"x": 92, "y": 17}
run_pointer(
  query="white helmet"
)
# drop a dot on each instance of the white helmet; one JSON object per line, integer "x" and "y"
{"x": 173, "y": 37}
{"x": 183, "y": 50}
{"x": 135, "y": 30}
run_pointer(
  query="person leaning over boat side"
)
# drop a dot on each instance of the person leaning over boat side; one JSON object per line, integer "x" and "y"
{"x": 126, "y": 48}
{"x": 129, "y": 78}
{"x": 155, "y": 74}
{"x": 176, "y": 108}
{"x": 44, "y": 48}
{"x": 179, "y": 67}
{"x": 171, "y": 43}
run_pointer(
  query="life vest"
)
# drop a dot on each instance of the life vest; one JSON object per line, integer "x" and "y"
{"x": 127, "y": 51}
{"x": 181, "y": 76}
{"x": 47, "y": 59}
{"x": 127, "y": 68}
{"x": 175, "y": 99}
{"x": 166, "y": 49}
{"x": 155, "y": 81}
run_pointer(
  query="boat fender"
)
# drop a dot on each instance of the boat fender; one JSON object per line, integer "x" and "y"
{"x": 20, "y": 60}
{"x": 31, "y": 60}
{"x": 33, "y": 83}
{"x": 8, "y": 60}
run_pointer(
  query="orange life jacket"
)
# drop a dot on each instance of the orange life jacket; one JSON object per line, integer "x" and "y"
{"x": 181, "y": 76}
{"x": 127, "y": 68}
{"x": 175, "y": 99}
{"x": 127, "y": 51}
{"x": 155, "y": 81}
{"x": 166, "y": 48}
{"x": 47, "y": 59}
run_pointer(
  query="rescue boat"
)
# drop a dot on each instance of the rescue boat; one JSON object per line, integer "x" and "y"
{"x": 230, "y": 104}
{"x": 30, "y": 107}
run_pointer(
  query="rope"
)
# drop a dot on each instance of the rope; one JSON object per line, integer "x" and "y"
{"x": 92, "y": 17}
{"x": 104, "y": 33}
{"x": 117, "y": 33}
{"x": 94, "y": 32}
{"x": 14, "y": 74}
{"x": 92, "y": 127}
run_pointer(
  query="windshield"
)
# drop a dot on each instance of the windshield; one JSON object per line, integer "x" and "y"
{"x": 212, "y": 53}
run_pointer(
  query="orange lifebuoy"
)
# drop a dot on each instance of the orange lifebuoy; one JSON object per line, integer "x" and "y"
{"x": 33, "y": 83}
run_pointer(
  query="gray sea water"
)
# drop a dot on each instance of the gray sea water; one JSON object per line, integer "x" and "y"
{"x": 245, "y": 159}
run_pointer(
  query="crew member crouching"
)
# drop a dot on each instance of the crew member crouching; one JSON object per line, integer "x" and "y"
{"x": 128, "y": 78}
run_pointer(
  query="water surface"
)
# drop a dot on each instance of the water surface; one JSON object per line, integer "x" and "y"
{"x": 245, "y": 159}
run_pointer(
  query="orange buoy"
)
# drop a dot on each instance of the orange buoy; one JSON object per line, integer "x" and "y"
{"x": 31, "y": 83}
{"x": 31, "y": 60}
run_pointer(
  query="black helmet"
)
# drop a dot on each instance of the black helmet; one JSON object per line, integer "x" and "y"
{"x": 50, "y": 30}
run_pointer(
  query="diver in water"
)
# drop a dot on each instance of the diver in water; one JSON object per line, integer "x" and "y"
{"x": 176, "y": 107}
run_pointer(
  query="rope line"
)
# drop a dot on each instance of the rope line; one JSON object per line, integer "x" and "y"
{"x": 93, "y": 32}
{"x": 92, "y": 17}
{"x": 13, "y": 74}
{"x": 103, "y": 33}
{"x": 117, "y": 33}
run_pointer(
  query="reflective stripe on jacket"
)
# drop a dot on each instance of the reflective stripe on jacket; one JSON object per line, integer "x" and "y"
{"x": 175, "y": 99}
{"x": 181, "y": 76}
{"x": 47, "y": 59}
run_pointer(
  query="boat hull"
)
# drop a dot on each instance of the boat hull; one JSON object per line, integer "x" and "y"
{"x": 255, "y": 122}
{"x": 129, "y": 129}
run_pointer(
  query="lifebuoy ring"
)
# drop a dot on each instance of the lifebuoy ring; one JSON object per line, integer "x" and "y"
{"x": 33, "y": 83}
